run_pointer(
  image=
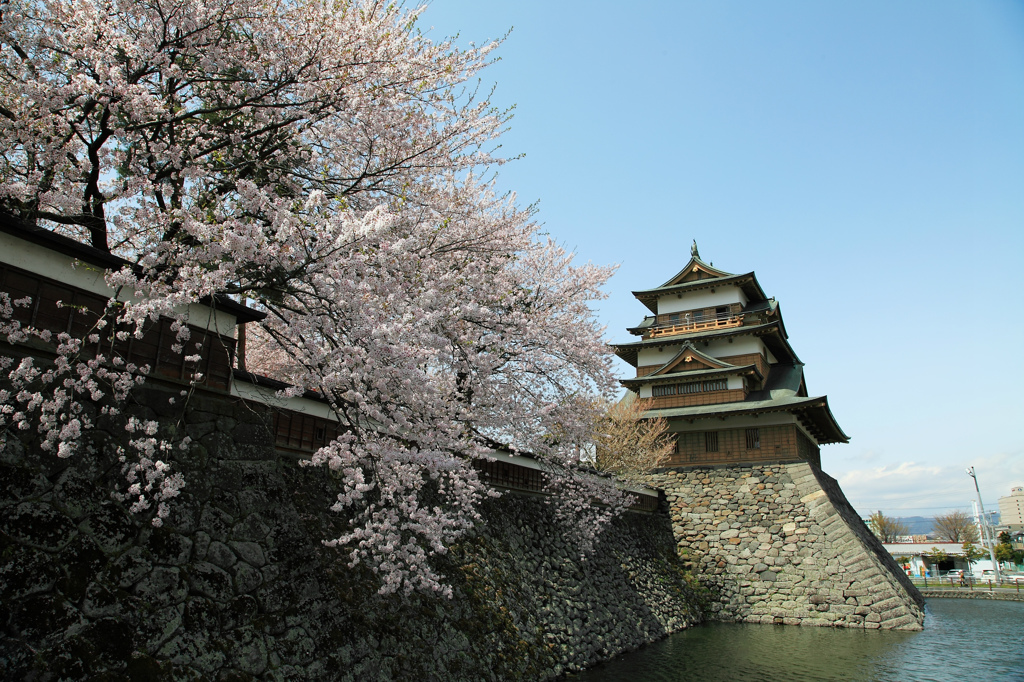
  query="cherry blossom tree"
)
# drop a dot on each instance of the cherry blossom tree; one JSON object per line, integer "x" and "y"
{"x": 332, "y": 165}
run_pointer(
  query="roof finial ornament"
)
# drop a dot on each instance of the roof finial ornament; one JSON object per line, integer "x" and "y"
{"x": 693, "y": 250}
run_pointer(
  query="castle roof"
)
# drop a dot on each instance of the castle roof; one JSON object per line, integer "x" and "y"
{"x": 812, "y": 412}
{"x": 696, "y": 265}
{"x": 696, "y": 276}
{"x": 773, "y": 334}
{"x": 690, "y": 353}
{"x": 692, "y": 375}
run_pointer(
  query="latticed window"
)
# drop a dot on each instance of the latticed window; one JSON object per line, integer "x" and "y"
{"x": 753, "y": 439}
{"x": 688, "y": 388}
{"x": 711, "y": 441}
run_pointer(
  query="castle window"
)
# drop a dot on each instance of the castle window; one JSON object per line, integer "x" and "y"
{"x": 717, "y": 385}
{"x": 753, "y": 439}
{"x": 664, "y": 389}
{"x": 689, "y": 388}
{"x": 711, "y": 441}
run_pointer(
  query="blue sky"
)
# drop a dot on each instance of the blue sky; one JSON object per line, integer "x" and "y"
{"x": 865, "y": 159}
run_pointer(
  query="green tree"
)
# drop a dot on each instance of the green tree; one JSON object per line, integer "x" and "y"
{"x": 937, "y": 556}
{"x": 1004, "y": 552}
{"x": 972, "y": 553}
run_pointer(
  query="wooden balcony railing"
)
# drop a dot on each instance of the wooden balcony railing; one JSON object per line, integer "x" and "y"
{"x": 721, "y": 321}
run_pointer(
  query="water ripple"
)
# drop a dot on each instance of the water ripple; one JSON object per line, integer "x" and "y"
{"x": 963, "y": 640}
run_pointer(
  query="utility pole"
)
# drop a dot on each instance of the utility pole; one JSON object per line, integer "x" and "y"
{"x": 984, "y": 525}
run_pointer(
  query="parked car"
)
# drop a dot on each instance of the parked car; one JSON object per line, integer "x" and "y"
{"x": 955, "y": 574}
{"x": 986, "y": 574}
{"x": 1014, "y": 578}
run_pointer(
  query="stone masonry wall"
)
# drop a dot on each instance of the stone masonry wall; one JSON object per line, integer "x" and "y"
{"x": 238, "y": 586}
{"x": 781, "y": 544}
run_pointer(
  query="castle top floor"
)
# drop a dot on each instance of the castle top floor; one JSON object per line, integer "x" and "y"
{"x": 700, "y": 298}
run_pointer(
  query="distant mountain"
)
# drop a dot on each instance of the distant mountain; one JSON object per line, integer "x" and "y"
{"x": 918, "y": 525}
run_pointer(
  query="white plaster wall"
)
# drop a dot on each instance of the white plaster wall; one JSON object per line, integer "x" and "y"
{"x": 741, "y": 345}
{"x": 646, "y": 391}
{"x": 719, "y": 348}
{"x": 57, "y": 266}
{"x": 671, "y": 303}
{"x": 269, "y": 396}
{"x": 656, "y": 356}
{"x": 47, "y": 263}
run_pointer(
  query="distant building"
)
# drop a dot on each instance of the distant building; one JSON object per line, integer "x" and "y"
{"x": 921, "y": 559}
{"x": 1011, "y": 509}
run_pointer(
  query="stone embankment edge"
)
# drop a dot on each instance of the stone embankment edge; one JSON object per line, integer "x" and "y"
{"x": 781, "y": 544}
{"x": 971, "y": 594}
{"x": 237, "y": 584}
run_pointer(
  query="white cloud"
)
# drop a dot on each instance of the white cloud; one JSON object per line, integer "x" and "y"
{"x": 926, "y": 489}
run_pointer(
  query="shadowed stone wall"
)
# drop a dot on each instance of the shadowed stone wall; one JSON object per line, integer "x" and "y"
{"x": 237, "y": 585}
{"x": 781, "y": 544}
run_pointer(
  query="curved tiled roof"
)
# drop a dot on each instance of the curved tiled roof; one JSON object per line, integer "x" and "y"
{"x": 773, "y": 334}
{"x": 814, "y": 413}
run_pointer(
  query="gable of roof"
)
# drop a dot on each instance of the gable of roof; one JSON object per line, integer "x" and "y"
{"x": 695, "y": 269}
{"x": 635, "y": 383}
{"x": 689, "y": 358}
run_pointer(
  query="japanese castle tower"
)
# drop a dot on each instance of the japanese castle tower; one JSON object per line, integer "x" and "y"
{"x": 715, "y": 361}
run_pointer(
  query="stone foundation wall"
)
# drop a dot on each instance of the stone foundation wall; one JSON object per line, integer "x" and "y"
{"x": 237, "y": 585}
{"x": 780, "y": 544}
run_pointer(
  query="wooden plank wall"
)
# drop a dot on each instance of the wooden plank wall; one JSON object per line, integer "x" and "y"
{"x": 81, "y": 309}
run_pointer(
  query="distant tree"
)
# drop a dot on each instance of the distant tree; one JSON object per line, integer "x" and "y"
{"x": 1004, "y": 552}
{"x": 972, "y": 553}
{"x": 887, "y": 528}
{"x": 629, "y": 445}
{"x": 937, "y": 555}
{"x": 956, "y": 526}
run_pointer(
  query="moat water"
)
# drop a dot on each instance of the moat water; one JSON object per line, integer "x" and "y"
{"x": 963, "y": 639}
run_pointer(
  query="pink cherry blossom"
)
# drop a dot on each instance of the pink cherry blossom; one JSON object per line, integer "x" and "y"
{"x": 328, "y": 164}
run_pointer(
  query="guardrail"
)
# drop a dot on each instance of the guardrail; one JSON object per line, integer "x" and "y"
{"x": 968, "y": 583}
{"x": 695, "y": 325}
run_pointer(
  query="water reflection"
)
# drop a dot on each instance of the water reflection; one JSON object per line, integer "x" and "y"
{"x": 963, "y": 639}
